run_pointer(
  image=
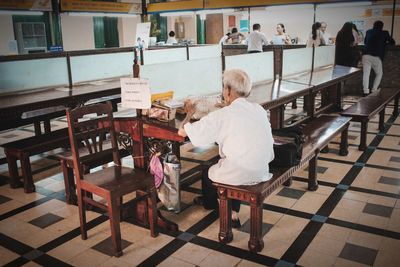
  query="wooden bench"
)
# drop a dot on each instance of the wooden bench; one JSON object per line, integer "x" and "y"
{"x": 319, "y": 132}
{"x": 22, "y": 149}
{"x": 367, "y": 107}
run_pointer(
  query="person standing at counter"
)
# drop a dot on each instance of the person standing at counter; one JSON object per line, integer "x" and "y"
{"x": 325, "y": 35}
{"x": 256, "y": 40}
{"x": 346, "y": 53}
{"x": 375, "y": 42}
{"x": 225, "y": 38}
{"x": 171, "y": 39}
{"x": 315, "y": 38}
{"x": 280, "y": 38}
{"x": 243, "y": 133}
{"x": 236, "y": 37}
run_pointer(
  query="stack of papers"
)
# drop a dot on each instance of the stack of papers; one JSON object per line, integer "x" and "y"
{"x": 173, "y": 103}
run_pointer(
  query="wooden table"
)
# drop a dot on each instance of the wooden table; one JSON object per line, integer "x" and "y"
{"x": 13, "y": 106}
{"x": 273, "y": 95}
{"x": 328, "y": 81}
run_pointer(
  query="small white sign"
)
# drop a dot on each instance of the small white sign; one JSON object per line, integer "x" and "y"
{"x": 143, "y": 34}
{"x": 135, "y": 93}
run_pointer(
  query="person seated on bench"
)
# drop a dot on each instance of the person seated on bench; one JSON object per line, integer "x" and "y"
{"x": 243, "y": 133}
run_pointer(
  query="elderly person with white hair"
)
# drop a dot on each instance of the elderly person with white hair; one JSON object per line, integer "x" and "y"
{"x": 243, "y": 133}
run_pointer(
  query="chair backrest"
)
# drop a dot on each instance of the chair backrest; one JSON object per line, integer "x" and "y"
{"x": 88, "y": 128}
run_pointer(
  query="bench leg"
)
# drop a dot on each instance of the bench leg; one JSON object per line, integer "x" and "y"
{"x": 344, "y": 145}
{"x": 312, "y": 174}
{"x": 13, "y": 171}
{"x": 225, "y": 234}
{"x": 396, "y": 106}
{"x": 294, "y": 104}
{"x": 47, "y": 126}
{"x": 38, "y": 130}
{"x": 29, "y": 187}
{"x": 363, "y": 138}
{"x": 69, "y": 182}
{"x": 288, "y": 182}
{"x": 325, "y": 149}
{"x": 382, "y": 120}
{"x": 256, "y": 243}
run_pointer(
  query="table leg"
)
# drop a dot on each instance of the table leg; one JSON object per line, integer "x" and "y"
{"x": 363, "y": 137}
{"x": 256, "y": 243}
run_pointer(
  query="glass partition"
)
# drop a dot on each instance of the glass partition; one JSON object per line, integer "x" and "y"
{"x": 102, "y": 66}
{"x": 296, "y": 61}
{"x": 324, "y": 56}
{"x": 164, "y": 55}
{"x": 198, "y": 52}
{"x": 259, "y": 66}
{"x": 32, "y": 74}
{"x": 189, "y": 77}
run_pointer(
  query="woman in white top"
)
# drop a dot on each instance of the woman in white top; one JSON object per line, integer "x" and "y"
{"x": 315, "y": 38}
{"x": 171, "y": 39}
{"x": 280, "y": 37}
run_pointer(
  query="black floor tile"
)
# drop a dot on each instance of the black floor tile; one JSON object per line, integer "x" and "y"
{"x": 291, "y": 193}
{"x": 389, "y": 180}
{"x": 4, "y": 199}
{"x": 47, "y": 260}
{"x": 394, "y": 159}
{"x": 46, "y": 220}
{"x": 321, "y": 169}
{"x": 265, "y": 227}
{"x": 186, "y": 236}
{"x": 33, "y": 254}
{"x": 358, "y": 254}
{"x": 106, "y": 246}
{"x": 378, "y": 210}
{"x": 352, "y": 137}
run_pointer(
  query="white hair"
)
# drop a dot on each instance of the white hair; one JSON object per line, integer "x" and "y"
{"x": 237, "y": 80}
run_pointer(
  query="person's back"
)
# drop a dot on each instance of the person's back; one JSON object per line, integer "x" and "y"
{"x": 256, "y": 40}
{"x": 374, "y": 50}
{"x": 375, "y": 42}
{"x": 236, "y": 37}
{"x": 246, "y": 153}
{"x": 171, "y": 38}
{"x": 315, "y": 39}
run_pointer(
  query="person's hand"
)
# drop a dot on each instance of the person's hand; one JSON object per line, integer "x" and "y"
{"x": 189, "y": 107}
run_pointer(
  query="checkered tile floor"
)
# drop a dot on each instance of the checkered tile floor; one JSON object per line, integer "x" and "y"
{"x": 353, "y": 219}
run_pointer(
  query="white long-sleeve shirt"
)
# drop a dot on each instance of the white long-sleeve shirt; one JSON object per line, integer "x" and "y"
{"x": 244, "y": 136}
{"x": 255, "y": 41}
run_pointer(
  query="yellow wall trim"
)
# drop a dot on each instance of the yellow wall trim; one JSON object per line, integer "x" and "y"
{"x": 176, "y": 5}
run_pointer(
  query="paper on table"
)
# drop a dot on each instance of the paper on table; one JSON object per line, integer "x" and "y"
{"x": 135, "y": 93}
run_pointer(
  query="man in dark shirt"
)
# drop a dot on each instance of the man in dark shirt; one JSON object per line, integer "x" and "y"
{"x": 374, "y": 50}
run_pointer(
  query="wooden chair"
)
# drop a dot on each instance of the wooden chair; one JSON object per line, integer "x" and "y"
{"x": 111, "y": 183}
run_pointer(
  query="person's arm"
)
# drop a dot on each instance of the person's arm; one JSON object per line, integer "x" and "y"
{"x": 264, "y": 39}
{"x": 190, "y": 109}
{"x": 389, "y": 39}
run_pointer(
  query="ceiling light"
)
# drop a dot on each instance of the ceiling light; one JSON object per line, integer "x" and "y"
{"x": 21, "y": 12}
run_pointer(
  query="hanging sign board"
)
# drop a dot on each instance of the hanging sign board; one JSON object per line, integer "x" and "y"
{"x": 143, "y": 34}
{"x": 98, "y": 6}
{"x": 36, "y": 5}
{"x": 135, "y": 93}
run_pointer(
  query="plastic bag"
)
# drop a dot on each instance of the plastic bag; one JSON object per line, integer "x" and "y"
{"x": 169, "y": 190}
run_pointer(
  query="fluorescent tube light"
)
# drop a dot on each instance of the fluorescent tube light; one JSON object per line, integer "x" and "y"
{"x": 215, "y": 11}
{"x": 288, "y": 7}
{"x": 101, "y": 14}
{"x": 344, "y": 4}
{"x": 21, "y": 12}
{"x": 177, "y": 14}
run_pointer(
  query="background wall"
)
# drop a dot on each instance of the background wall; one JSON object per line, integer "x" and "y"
{"x": 6, "y": 35}
{"x": 190, "y": 26}
{"x": 127, "y": 31}
{"x": 77, "y": 32}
